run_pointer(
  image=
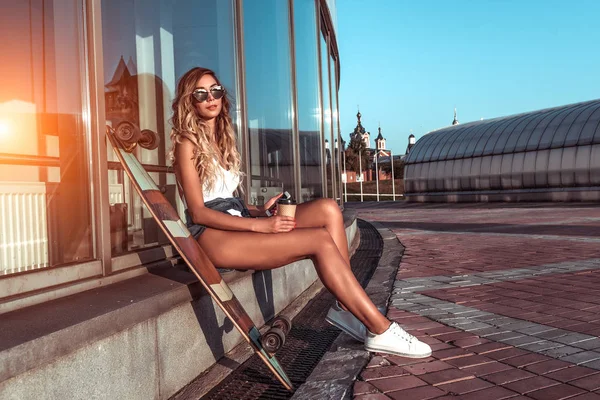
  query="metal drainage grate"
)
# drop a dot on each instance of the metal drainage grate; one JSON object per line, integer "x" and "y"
{"x": 307, "y": 342}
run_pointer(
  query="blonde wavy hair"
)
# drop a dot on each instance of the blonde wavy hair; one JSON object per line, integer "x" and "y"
{"x": 188, "y": 124}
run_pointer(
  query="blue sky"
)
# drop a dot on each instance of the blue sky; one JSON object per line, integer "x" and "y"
{"x": 407, "y": 64}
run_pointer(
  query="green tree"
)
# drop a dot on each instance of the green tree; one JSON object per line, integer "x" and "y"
{"x": 398, "y": 168}
{"x": 356, "y": 147}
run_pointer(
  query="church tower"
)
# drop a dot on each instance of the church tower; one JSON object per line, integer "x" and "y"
{"x": 380, "y": 141}
{"x": 360, "y": 130}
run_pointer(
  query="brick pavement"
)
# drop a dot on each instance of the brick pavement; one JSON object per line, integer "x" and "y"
{"x": 506, "y": 294}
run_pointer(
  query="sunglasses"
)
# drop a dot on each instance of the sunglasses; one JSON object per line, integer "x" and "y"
{"x": 202, "y": 94}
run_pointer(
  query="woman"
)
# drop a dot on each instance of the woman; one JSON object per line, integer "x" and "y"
{"x": 207, "y": 166}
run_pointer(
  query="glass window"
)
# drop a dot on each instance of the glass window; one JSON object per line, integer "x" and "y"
{"x": 45, "y": 207}
{"x": 268, "y": 98}
{"x": 308, "y": 109}
{"x": 327, "y": 125}
{"x": 335, "y": 131}
{"x": 147, "y": 46}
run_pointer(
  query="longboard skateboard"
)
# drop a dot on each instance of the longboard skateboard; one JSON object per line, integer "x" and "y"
{"x": 191, "y": 252}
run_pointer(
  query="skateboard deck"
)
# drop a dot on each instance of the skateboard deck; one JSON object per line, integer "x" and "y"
{"x": 191, "y": 252}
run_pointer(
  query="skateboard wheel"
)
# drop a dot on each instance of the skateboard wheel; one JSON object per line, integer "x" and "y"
{"x": 282, "y": 323}
{"x": 273, "y": 340}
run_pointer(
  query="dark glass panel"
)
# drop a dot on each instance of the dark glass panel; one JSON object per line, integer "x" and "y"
{"x": 524, "y": 128}
{"x": 591, "y": 130}
{"x": 524, "y": 138}
{"x": 516, "y": 173}
{"x": 45, "y": 205}
{"x": 546, "y": 138}
{"x": 536, "y": 135}
{"x": 582, "y": 165}
{"x": 326, "y": 115}
{"x": 268, "y": 98}
{"x": 307, "y": 94}
{"x": 554, "y": 165}
{"x": 529, "y": 169}
{"x": 577, "y": 129}
{"x": 498, "y": 146}
{"x": 506, "y": 171}
{"x": 541, "y": 168}
{"x": 495, "y": 172}
{"x": 458, "y": 146}
{"x": 567, "y": 170}
{"x": 595, "y": 165}
{"x": 147, "y": 46}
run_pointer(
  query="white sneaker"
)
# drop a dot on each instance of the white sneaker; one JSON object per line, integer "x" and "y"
{"x": 347, "y": 322}
{"x": 396, "y": 340}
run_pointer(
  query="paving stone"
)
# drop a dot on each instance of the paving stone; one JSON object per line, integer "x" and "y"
{"x": 418, "y": 393}
{"x": 555, "y": 392}
{"x": 561, "y": 351}
{"x": 586, "y": 396}
{"x": 466, "y": 386}
{"x": 590, "y": 382}
{"x": 573, "y": 338}
{"x": 446, "y": 376}
{"x": 524, "y": 360}
{"x": 583, "y": 357}
{"x": 589, "y": 344}
{"x": 592, "y": 364}
{"x": 489, "y": 347}
{"x": 506, "y": 353}
{"x": 374, "y": 396}
{"x": 546, "y": 367}
{"x": 361, "y": 387}
{"x": 493, "y": 393}
{"x": 572, "y": 373}
{"x": 507, "y": 376}
{"x": 382, "y": 372}
{"x": 541, "y": 346}
{"x": 469, "y": 361}
{"x": 402, "y": 361}
{"x": 397, "y": 383}
{"x": 424, "y": 368}
{"x": 378, "y": 361}
{"x": 531, "y": 384}
{"x": 468, "y": 342}
{"x": 449, "y": 354}
{"x": 486, "y": 369}
{"x": 522, "y": 340}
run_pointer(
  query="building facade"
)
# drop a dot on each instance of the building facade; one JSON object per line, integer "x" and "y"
{"x": 69, "y": 219}
{"x": 546, "y": 155}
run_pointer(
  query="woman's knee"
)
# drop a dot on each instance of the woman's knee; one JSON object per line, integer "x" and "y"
{"x": 330, "y": 209}
{"x": 322, "y": 240}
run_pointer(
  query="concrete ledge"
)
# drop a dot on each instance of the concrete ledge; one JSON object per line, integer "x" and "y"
{"x": 136, "y": 339}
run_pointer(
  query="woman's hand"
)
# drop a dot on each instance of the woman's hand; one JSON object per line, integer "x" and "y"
{"x": 271, "y": 202}
{"x": 276, "y": 224}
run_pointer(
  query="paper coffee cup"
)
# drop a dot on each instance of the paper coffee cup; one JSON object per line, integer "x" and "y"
{"x": 286, "y": 207}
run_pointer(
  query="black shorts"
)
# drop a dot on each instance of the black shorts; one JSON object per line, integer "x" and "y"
{"x": 231, "y": 205}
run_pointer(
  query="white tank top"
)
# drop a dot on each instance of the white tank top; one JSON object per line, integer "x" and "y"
{"x": 225, "y": 184}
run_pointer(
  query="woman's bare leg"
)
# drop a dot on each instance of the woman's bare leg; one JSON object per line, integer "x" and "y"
{"x": 260, "y": 251}
{"x": 324, "y": 213}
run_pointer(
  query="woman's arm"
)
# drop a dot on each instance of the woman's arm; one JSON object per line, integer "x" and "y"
{"x": 192, "y": 190}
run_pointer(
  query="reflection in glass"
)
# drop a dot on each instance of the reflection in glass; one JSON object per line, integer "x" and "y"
{"x": 327, "y": 128}
{"x": 268, "y": 98}
{"x": 308, "y": 112}
{"x": 44, "y": 183}
{"x": 147, "y": 46}
{"x": 335, "y": 131}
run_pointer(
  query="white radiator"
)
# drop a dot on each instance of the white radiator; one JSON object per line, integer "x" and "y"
{"x": 23, "y": 226}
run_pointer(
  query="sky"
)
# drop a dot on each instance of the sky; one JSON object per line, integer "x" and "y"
{"x": 407, "y": 64}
